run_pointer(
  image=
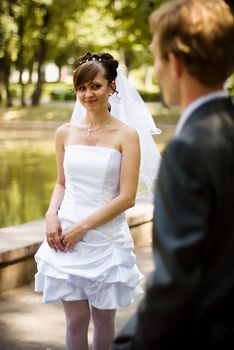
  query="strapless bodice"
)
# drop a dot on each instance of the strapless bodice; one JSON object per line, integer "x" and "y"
{"x": 91, "y": 174}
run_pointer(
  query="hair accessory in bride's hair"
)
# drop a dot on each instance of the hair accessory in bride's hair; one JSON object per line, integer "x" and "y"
{"x": 89, "y": 57}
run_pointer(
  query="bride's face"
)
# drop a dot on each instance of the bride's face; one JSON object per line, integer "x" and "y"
{"x": 94, "y": 94}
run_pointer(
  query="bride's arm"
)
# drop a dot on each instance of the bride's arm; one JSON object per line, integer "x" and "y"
{"x": 53, "y": 226}
{"x": 129, "y": 175}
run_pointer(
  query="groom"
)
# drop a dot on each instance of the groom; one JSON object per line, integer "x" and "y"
{"x": 189, "y": 301}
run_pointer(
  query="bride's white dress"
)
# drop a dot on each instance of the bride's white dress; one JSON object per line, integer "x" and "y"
{"x": 102, "y": 268}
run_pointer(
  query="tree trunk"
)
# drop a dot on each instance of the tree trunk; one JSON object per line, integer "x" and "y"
{"x": 30, "y": 72}
{"x": 22, "y": 92}
{"x": 1, "y": 79}
{"x": 38, "y": 89}
{"x": 21, "y": 68}
{"x": 60, "y": 73}
{"x": 6, "y": 78}
{"x": 122, "y": 59}
{"x": 21, "y": 59}
{"x": 41, "y": 59}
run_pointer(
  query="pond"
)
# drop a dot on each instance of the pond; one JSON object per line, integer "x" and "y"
{"x": 27, "y": 177}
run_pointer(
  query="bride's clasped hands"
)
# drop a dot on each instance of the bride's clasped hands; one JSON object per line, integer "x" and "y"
{"x": 71, "y": 236}
{"x": 62, "y": 241}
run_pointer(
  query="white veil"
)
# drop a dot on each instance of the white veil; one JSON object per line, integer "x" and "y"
{"x": 128, "y": 106}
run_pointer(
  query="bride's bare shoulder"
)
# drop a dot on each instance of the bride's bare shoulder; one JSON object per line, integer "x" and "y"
{"x": 68, "y": 127}
{"x": 124, "y": 128}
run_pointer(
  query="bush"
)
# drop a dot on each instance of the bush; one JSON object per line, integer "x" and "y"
{"x": 67, "y": 95}
{"x": 62, "y": 95}
{"x": 150, "y": 96}
{"x": 230, "y": 85}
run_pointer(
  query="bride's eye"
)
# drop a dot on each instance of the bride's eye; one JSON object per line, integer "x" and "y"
{"x": 81, "y": 88}
{"x": 96, "y": 86}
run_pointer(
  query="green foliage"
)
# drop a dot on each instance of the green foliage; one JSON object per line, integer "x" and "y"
{"x": 8, "y": 30}
{"x": 75, "y": 26}
{"x": 34, "y": 32}
{"x": 230, "y": 84}
{"x": 62, "y": 95}
{"x": 67, "y": 95}
{"x": 150, "y": 96}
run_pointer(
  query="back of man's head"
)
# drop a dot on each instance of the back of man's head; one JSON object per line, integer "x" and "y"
{"x": 200, "y": 33}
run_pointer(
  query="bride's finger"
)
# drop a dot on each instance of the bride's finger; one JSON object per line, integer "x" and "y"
{"x": 59, "y": 243}
{"x": 68, "y": 247}
{"x": 49, "y": 239}
{"x": 53, "y": 245}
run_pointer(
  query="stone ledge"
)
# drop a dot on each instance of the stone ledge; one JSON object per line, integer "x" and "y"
{"x": 141, "y": 213}
{"x": 20, "y": 241}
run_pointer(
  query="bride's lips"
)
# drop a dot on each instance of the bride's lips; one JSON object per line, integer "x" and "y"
{"x": 91, "y": 101}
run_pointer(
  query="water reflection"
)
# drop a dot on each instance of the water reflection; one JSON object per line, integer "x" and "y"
{"x": 27, "y": 176}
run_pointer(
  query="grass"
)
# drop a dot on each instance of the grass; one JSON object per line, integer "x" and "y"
{"x": 57, "y": 112}
{"x": 165, "y": 116}
{"x": 61, "y": 112}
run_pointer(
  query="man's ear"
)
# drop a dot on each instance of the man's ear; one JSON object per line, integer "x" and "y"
{"x": 176, "y": 64}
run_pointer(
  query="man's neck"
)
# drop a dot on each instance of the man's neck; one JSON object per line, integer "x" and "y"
{"x": 192, "y": 89}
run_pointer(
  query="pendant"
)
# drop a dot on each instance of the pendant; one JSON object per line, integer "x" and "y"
{"x": 89, "y": 131}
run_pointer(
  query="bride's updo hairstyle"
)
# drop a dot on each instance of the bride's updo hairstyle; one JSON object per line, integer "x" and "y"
{"x": 90, "y": 64}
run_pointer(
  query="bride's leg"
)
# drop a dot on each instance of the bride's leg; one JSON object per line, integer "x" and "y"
{"x": 104, "y": 328}
{"x": 77, "y": 322}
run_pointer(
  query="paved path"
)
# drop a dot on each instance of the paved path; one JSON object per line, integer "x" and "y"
{"x": 28, "y": 324}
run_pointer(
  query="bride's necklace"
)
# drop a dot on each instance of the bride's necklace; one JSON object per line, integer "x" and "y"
{"x": 95, "y": 129}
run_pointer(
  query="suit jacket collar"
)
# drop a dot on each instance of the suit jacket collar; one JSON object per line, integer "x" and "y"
{"x": 195, "y": 105}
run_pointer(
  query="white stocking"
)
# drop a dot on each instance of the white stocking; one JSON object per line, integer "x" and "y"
{"x": 104, "y": 328}
{"x": 77, "y": 322}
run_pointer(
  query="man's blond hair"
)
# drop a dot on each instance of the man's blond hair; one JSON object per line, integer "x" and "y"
{"x": 200, "y": 33}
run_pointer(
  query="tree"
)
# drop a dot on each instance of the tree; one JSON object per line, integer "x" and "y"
{"x": 8, "y": 35}
{"x": 132, "y": 30}
{"x": 30, "y": 30}
{"x": 34, "y": 32}
{"x": 55, "y": 19}
{"x": 23, "y": 14}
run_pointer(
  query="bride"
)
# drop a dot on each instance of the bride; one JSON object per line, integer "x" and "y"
{"x": 86, "y": 259}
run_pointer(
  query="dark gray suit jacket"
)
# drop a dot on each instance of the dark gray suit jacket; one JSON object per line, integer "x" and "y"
{"x": 190, "y": 296}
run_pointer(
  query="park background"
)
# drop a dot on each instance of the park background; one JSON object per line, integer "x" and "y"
{"x": 40, "y": 41}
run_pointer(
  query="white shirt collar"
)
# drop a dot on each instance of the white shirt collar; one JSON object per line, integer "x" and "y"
{"x": 194, "y": 105}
